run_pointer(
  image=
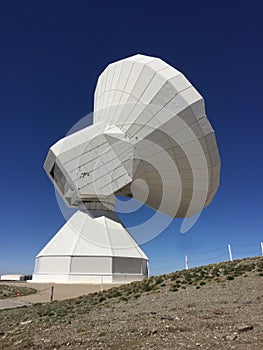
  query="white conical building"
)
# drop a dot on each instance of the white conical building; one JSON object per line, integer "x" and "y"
{"x": 91, "y": 250}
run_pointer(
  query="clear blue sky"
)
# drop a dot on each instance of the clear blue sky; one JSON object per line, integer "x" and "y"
{"x": 51, "y": 55}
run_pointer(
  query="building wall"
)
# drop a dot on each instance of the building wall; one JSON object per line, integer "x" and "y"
{"x": 89, "y": 269}
{"x": 126, "y": 265}
{"x": 72, "y": 278}
{"x": 83, "y": 264}
{"x": 52, "y": 265}
{"x": 12, "y": 278}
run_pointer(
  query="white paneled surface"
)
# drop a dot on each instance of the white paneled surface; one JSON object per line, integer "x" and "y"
{"x": 86, "y": 246}
{"x": 87, "y": 264}
{"x": 83, "y": 235}
{"x": 149, "y": 125}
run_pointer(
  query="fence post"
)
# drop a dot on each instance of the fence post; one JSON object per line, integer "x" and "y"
{"x": 52, "y": 294}
{"x": 230, "y": 253}
{"x": 101, "y": 284}
{"x": 186, "y": 262}
{"x": 261, "y": 248}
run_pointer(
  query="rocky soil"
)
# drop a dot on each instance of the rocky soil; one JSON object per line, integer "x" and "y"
{"x": 9, "y": 291}
{"x": 211, "y": 307}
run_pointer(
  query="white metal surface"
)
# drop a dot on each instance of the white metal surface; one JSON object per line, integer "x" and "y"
{"x": 87, "y": 249}
{"x": 150, "y": 140}
{"x": 83, "y": 235}
{"x": 143, "y": 109}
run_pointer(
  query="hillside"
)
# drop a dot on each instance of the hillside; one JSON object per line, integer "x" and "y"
{"x": 210, "y": 307}
{"x": 9, "y": 291}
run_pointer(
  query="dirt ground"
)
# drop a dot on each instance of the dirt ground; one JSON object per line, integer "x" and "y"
{"x": 61, "y": 291}
{"x": 217, "y": 307}
{"x": 9, "y": 304}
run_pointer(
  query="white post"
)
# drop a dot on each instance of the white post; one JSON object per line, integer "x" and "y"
{"x": 261, "y": 248}
{"x": 148, "y": 269}
{"x": 186, "y": 262}
{"x": 101, "y": 284}
{"x": 230, "y": 253}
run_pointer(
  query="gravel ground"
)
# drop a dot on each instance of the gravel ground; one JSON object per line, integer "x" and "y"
{"x": 221, "y": 313}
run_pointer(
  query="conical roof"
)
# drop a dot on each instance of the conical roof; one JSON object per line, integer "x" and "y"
{"x": 84, "y": 235}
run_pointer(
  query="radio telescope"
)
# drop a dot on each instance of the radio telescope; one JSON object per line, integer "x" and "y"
{"x": 150, "y": 140}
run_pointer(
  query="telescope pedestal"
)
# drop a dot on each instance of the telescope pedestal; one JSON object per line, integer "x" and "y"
{"x": 90, "y": 249}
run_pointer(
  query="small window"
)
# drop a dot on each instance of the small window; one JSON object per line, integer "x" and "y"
{"x": 58, "y": 177}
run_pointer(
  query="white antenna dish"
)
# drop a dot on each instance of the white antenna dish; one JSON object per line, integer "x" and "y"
{"x": 150, "y": 140}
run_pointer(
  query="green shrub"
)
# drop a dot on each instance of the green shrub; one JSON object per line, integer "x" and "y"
{"x": 158, "y": 280}
{"x": 147, "y": 287}
{"x": 81, "y": 330}
{"x": 260, "y": 264}
{"x": 102, "y": 334}
{"x": 215, "y": 272}
{"x": 230, "y": 278}
{"x": 124, "y": 299}
{"x": 137, "y": 295}
{"x": 174, "y": 277}
{"x": 133, "y": 330}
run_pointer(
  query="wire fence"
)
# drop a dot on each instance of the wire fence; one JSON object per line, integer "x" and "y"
{"x": 220, "y": 254}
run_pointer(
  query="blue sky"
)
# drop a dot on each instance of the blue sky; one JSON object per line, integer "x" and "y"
{"x": 51, "y": 55}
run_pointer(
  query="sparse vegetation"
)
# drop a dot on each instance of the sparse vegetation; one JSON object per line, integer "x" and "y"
{"x": 10, "y": 291}
{"x": 67, "y": 312}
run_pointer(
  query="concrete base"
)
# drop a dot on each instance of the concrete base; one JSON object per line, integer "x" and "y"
{"x": 91, "y": 250}
{"x": 77, "y": 279}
